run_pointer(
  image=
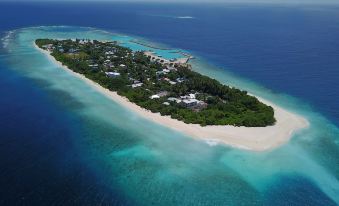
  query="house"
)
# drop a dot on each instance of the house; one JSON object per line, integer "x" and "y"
{"x": 158, "y": 95}
{"x": 72, "y": 50}
{"x": 137, "y": 85}
{"x": 109, "y": 52}
{"x": 162, "y": 94}
{"x": 171, "y": 68}
{"x": 154, "y": 96}
{"x": 112, "y": 74}
{"x": 173, "y": 99}
{"x": 185, "y": 97}
{"x": 179, "y": 80}
{"x": 172, "y": 82}
{"x": 159, "y": 73}
{"x": 166, "y": 70}
{"x": 190, "y": 102}
{"x": 191, "y": 96}
{"x": 93, "y": 66}
{"x": 47, "y": 46}
{"x": 85, "y": 41}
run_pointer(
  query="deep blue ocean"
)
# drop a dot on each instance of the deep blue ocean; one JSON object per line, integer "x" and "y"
{"x": 54, "y": 150}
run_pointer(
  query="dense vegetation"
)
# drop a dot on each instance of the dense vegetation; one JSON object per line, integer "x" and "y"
{"x": 218, "y": 104}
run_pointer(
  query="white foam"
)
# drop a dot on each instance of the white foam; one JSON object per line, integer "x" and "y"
{"x": 173, "y": 17}
{"x": 211, "y": 142}
{"x": 185, "y": 17}
{"x": 5, "y": 39}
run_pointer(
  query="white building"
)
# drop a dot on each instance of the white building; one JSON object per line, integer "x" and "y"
{"x": 109, "y": 52}
{"x": 137, "y": 85}
{"x": 192, "y": 96}
{"x": 173, "y": 99}
{"x": 93, "y": 66}
{"x": 171, "y": 68}
{"x": 155, "y": 96}
{"x": 179, "y": 80}
{"x": 166, "y": 70}
{"x": 112, "y": 74}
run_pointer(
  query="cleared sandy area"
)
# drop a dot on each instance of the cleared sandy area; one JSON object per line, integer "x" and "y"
{"x": 250, "y": 138}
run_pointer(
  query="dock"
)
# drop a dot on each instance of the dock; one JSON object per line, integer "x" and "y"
{"x": 163, "y": 60}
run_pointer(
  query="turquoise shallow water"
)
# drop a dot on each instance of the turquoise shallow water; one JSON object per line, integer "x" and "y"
{"x": 144, "y": 163}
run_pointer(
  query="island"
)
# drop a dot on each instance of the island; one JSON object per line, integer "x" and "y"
{"x": 169, "y": 93}
{"x": 166, "y": 86}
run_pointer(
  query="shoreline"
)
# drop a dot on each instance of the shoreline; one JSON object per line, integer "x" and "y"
{"x": 249, "y": 138}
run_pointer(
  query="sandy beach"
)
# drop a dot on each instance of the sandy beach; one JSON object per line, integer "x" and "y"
{"x": 249, "y": 138}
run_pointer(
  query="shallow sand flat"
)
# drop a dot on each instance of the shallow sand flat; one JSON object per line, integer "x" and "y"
{"x": 250, "y": 138}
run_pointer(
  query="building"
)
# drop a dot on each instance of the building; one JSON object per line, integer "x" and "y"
{"x": 173, "y": 99}
{"x": 179, "y": 80}
{"x": 94, "y": 66}
{"x": 166, "y": 70}
{"x": 190, "y": 102}
{"x": 72, "y": 50}
{"x": 185, "y": 97}
{"x": 191, "y": 96}
{"x": 171, "y": 68}
{"x": 49, "y": 47}
{"x": 109, "y": 52}
{"x": 137, "y": 85}
{"x": 172, "y": 82}
{"x": 158, "y": 95}
{"x": 112, "y": 74}
{"x": 162, "y": 94}
{"x": 158, "y": 73}
{"x": 155, "y": 96}
{"x": 85, "y": 41}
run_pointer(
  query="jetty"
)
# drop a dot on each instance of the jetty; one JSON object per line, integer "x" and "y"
{"x": 175, "y": 61}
